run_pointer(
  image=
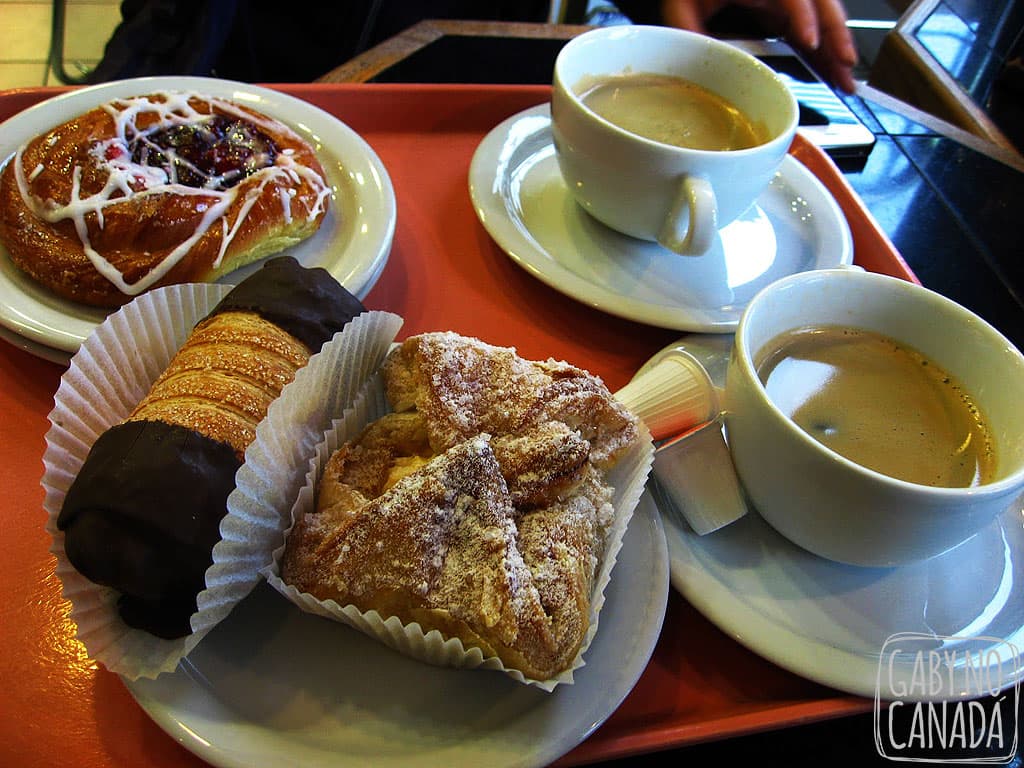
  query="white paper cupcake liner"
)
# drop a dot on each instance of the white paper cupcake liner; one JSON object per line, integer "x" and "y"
{"x": 110, "y": 374}
{"x": 628, "y": 478}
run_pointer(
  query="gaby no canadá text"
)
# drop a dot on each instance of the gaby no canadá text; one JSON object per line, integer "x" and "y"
{"x": 957, "y": 702}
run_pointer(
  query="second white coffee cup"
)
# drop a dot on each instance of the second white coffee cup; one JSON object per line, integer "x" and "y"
{"x": 830, "y": 504}
{"x": 676, "y": 195}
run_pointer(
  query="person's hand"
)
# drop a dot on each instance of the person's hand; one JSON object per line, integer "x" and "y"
{"x": 817, "y": 28}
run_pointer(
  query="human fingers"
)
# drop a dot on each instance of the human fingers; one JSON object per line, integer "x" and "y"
{"x": 835, "y": 35}
{"x": 802, "y": 22}
{"x": 818, "y": 28}
{"x": 684, "y": 14}
{"x": 837, "y": 52}
{"x": 815, "y": 27}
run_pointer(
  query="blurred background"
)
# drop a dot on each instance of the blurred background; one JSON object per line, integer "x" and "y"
{"x": 958, "y": 60}
{"x": 26, "y": 28}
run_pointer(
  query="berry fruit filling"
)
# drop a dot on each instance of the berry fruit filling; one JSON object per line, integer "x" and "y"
{"x": 214, "y": 154}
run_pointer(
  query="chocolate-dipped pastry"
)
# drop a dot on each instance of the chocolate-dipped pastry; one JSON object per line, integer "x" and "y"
{"x": 298, "y": 300}
{"x": 144, "y": 512}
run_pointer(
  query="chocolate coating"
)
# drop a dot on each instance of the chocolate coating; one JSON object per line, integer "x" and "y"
{"x": 307, "y": 302}
{"x": 143, "y": 515}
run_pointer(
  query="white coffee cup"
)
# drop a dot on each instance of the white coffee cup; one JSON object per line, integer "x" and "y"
{"x": 830, "y": 505}
{"x": 677, "y": 196}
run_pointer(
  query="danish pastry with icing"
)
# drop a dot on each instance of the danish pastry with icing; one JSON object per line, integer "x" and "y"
{"x": 479, "y": 507}
{"x": 164, "y": 188}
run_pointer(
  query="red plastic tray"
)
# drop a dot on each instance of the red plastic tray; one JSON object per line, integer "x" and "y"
{"x": 444, "y": 273}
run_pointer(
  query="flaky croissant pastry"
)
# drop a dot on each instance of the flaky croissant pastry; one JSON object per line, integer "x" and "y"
{"x": 143, "y": 513}
{"x": 478, "y": 508}
{"x": 158, "y": 189}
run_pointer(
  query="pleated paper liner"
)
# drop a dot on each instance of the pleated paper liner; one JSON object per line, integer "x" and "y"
{"x": 110, "y": 374}
{"x": 628, "y": 479}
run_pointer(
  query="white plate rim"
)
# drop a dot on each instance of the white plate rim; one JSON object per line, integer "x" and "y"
{"x": 178, "y": 704}
{"x": 512, "y": 237}
{"x": 835, "y": 667}
{"x": 52, "y": 322}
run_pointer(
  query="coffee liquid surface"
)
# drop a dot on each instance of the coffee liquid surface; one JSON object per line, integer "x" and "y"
{"x": 880, "y": 404}
{"x": 671, "y": 110}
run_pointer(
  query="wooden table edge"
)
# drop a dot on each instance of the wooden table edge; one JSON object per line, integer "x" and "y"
{"x": 370, "y": 63}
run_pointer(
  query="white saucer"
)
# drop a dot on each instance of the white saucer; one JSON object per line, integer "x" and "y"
{"x": 271, "y": 685}
{"x": 830, "y": 622}
{"x": 353, "y": 242}
{"x": 522, "y": 201}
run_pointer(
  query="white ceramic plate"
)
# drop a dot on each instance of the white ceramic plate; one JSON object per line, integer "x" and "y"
{"x": 52, "y": 354}
{"x": 353, "y": 241}
{"x": 522, "y": 201}
{"x": 830, "y": 622}
{"x": 273, "y": 685}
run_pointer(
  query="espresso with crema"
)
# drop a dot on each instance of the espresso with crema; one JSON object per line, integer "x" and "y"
{"x": 671, "y": 110}
{"x": 880, "y": 404}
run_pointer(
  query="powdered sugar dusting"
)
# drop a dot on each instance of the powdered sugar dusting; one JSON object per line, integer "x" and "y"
{"x": 498, "y": 538}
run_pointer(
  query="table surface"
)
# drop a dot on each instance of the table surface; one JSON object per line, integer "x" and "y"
{"x": 942, "y": 198}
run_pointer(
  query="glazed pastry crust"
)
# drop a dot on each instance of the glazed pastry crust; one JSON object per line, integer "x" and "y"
{"x": 140, "y": 235}
{"x": 440, "y": 375}
{"x": 445, "y": 547}
{"x": 224, "y": 378}
{"x": 473, "y": 508}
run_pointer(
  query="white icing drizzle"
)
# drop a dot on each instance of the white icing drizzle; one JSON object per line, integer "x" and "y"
{"x": 126, "y": 178}
{"x": 286, "y": 203}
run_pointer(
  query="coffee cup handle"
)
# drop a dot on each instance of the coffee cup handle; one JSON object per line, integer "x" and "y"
{"x": 695, "y": 204}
